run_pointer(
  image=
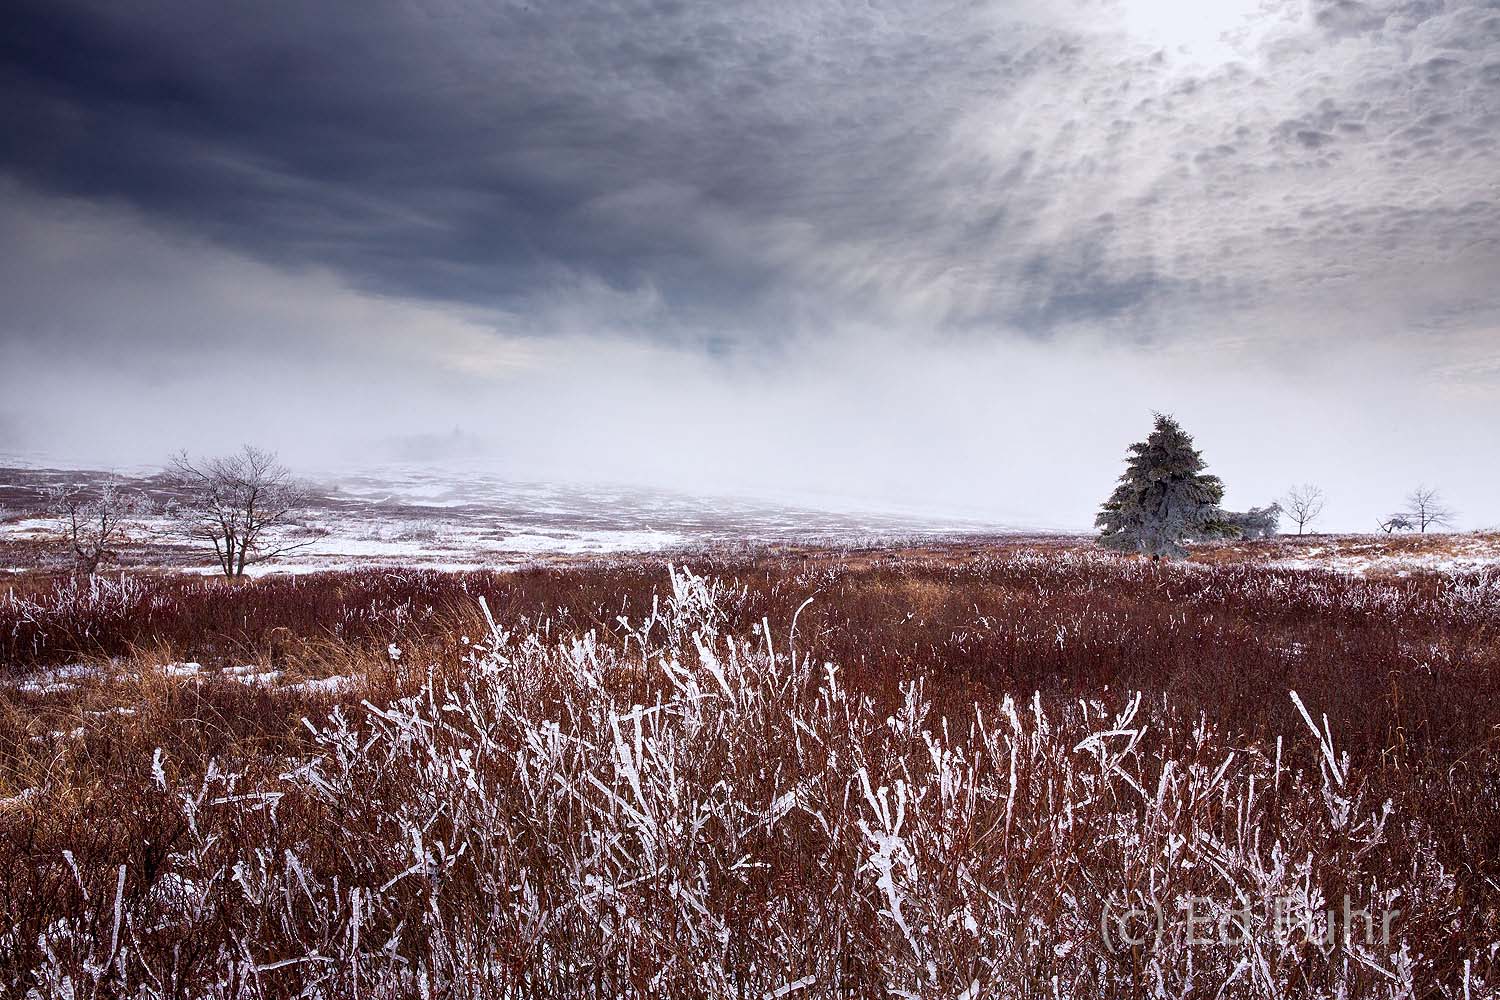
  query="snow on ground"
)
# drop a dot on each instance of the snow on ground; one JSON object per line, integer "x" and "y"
{"x": 423, "y": 518}
{"x": 253, "y": 675}
{"x": 56, "y": 680}
{"x": 61, "y": 680}
{"x": 576, "y": 542}
{"x": 436, "y": 520}
{"x": 336, "y": 684}
{"x": 1380, "y": 555}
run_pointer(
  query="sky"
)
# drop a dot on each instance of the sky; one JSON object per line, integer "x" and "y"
{"x": 946, "y": 256}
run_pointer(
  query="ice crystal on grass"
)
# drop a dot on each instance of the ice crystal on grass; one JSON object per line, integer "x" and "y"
{"x": 680, "y": 807}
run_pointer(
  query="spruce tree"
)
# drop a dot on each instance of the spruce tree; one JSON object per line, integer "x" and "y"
{"x": 1164, "y": 498}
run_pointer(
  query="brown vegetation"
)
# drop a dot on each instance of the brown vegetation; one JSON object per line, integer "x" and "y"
{"x": 942, "y": 779}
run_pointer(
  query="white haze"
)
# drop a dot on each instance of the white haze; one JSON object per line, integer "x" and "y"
{"x": 99, "y": 367}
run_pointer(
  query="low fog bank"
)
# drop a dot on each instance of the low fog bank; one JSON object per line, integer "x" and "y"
{"x": 1025, "y": 435}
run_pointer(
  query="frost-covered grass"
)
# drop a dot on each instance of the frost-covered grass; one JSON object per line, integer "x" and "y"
{"x": 1368, "y": 555}
{"x": 941, "y": 774}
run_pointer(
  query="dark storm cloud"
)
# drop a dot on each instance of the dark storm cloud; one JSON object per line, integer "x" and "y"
{"x": 340, "y": 143}
{"x": 467, "y": 152}
{"x": 744, "y": 169}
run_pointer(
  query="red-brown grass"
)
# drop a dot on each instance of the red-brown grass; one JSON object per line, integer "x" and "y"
{"x": 986, "y": 750}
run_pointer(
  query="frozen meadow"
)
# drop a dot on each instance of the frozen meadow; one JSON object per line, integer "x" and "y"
{"x": 939, "y": 773}
{"x": 414, "y": 517}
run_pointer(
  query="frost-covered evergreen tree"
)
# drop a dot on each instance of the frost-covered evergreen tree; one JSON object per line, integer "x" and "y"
{"x": 1255, "y": 523}
{"x": 1164, "y": 498}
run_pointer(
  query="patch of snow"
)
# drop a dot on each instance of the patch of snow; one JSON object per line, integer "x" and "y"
{"x": 19, "y": 799}
{"x": 252, "y": 674}
{"x": 56, "y": 679}
{"x": 336, "y": 684}
{"x": 576, "y": 542}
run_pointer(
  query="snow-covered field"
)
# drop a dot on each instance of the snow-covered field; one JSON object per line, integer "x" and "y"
{"x": 418, "y": 517}
{"x": 1373, "y": 556}
{"x": 1378, "y": 556}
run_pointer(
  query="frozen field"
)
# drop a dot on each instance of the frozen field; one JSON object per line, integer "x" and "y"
{"x": 943, "y": 770}
{"x": 408, "y": 517}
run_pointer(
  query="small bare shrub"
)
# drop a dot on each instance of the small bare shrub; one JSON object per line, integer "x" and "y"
{"x": 95, "y": 520}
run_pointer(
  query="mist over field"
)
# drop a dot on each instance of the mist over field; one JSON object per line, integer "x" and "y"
{"x": 1012, "y": 427}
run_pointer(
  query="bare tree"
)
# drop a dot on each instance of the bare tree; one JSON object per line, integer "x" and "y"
{"x": 1396, "y": 522}
{"x": 239, "y": 503}
{"x": 95, "y": 520}
{"x": 1303, "y": 505}
{"x": 1425, "y": 509}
